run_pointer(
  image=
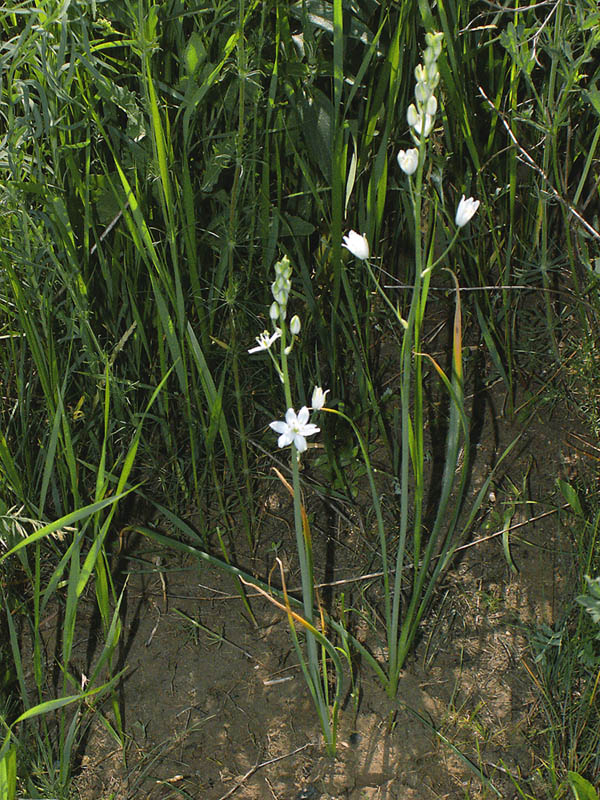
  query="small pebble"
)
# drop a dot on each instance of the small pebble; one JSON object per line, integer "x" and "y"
{"x": 310, "y": 792}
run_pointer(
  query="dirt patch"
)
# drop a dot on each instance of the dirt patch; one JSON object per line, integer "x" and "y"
{"x": 216, "y": 708}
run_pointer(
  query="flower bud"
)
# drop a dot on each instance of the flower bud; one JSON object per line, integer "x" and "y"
{"x": 431, "y": 107}
{"x": 295, "y": 325}
{"x": 283, "y": 268}
{"x": 412, "y": 116}
{"x": 422, "y": 93}
{"x": 465, "y": 211}
{"x": 357, "y": 244}
{"x": 274, "y": 311}
{"x": 420, "y": 74}
{"x": 422, "y": 123}
{"x": 318, "y": 398}
{"x": 434, "y": 40}
{"x": 429, "y": 56}
{"x": 408, "y": 160}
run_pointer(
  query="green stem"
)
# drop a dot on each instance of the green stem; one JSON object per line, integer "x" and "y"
{"x": 304, "y": 549}
{"x": 410, "y": 341}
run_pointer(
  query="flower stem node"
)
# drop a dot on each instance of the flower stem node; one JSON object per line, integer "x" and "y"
{"x": 466, "y": 210}
{"x": 294, "y": 429}
{"x": 357, "y": 244}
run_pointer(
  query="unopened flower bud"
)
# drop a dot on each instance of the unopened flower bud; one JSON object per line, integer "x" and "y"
{"x": 295, "y": 325}
{"x": 283, "y": 268}
{"x": 429, "y": 56}
{"x": 422, "y": 93}
{"x": 357, "y": 244}
{"x": 465, "y": 211}
{"x": 318, "y": 398}
{"x": 420, "y": 74}
{"x": 431, "y": 106}
{"x": 408, "y": 160}
{"x": 434, "y": 40}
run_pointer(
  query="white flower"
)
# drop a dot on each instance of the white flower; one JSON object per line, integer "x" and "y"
{"x": 422, "y": 123}
{"x": 357, "y": 244}
{"x": 318, "y": 398}
{"x": 408, "y": 160}
{"x": 466, "y": 209}
{"x": 295, "y": 429}
{"x": 265, "y": 340}
{"x": 295, "y": 325}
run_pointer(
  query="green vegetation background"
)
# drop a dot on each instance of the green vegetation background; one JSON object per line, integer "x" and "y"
{"x": 156, "y": 158}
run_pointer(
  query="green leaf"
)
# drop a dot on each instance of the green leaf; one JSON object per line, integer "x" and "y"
{"x": 570, "y": 495}
{"x": 8, "y": 775}
{"x": 593, "y": 96}
{"x": 582, "y": 789}
{"x": 195, "y": 53}
{"x": 591, "y": 600}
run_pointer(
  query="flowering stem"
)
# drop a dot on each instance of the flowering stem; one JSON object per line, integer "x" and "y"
{"x": 412, "y": 436}
{"x": 303, "y": 545}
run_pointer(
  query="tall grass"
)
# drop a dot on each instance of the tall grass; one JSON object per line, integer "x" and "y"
{"x": 157, "y": 158}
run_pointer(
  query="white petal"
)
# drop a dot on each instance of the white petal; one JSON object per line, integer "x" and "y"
{"x": 310, "y": 429}
{"x": 285, "y": 439}
{"x": 303, "y": 416}
{"x": 300, "y": 443}
{"x": 279, "y": 427}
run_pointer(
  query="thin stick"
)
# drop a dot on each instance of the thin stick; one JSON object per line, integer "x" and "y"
{"x": 370, "y": 575}
{"x": 260, "y": 765}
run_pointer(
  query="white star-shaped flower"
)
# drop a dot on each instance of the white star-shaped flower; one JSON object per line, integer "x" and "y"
{"x": 295, "y": 429}
{"x": 265, "y": 340}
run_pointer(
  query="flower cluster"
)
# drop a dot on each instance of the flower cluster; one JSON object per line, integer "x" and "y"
{"x": 421, "y": 116}
{"x": 280, "y": 288}
{"x": 295, "y": 427}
